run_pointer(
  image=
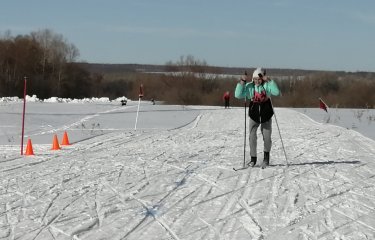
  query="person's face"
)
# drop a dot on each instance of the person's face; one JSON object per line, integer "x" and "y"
{"x": 257, "y": 80}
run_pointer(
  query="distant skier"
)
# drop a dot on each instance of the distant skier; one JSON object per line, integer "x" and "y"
{"x": 259, "y": 91}
{"x": 226, "y": 98}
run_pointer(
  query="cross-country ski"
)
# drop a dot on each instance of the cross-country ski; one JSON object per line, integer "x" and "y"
{"x": 262, "y": 166}
{"x": 240, "y": 168}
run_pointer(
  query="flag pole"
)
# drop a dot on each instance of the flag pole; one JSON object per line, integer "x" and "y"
{"x": 140, "y": 95}
{"x": 23, "y": 113}
{"x": 322, "y": 101}
{"x": 136, "y": 119}
{"x": 324, "y": 104}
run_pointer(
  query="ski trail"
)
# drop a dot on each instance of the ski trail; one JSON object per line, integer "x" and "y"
{"x": 210, "y": 182}
{"x": 55, "y": 229}
{"x": 10, "y": 227}
{"x": 249, "y": 212}
{"x": 213, "y": 229}
{"x": 193, "y": 123}
{"x": 56, "y": 216}
{"x": 233, "y": 199}
{"x": 77, "y": 123}
{"x": 328, "y": 222}
{"x": 83, "y": 227}
{"x": 48, "y": 207}
{"x": 178, "y": 184}
{"x": 356, "y": 220}
{"x": 144, "y": 205}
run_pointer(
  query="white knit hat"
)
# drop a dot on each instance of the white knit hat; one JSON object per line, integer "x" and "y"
{"x": 258, "y": 71}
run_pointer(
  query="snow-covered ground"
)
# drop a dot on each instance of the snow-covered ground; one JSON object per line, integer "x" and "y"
{"x": 360, "y": 120}
{"x": 172, "y": 178}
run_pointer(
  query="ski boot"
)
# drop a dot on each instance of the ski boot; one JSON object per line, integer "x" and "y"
{"x": 266, "y": 160}
{"x": 252, "y": 162}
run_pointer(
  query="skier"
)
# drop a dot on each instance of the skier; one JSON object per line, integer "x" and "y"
{"x": 259, "y": 91}
{"x": 226, "y": 98}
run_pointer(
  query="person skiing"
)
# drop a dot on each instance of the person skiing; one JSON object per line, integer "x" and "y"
{"x": 259, "y": 91}
{"x": 226, "y": 98}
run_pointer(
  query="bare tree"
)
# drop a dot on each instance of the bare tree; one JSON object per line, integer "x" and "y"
{"x": 57, "y": 51}
{"x": 72, "y": 53}
{"x": 44, "y": 38}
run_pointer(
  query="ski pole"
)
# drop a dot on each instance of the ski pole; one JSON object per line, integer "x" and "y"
{"x": 244, "y": 141}
{"x": 278, "y": 128}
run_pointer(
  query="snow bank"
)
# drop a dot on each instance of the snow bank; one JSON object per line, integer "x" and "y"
{"x": 34, "y": 98}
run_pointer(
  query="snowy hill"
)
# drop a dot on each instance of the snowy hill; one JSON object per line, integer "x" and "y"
{"x": 172, "y": 178}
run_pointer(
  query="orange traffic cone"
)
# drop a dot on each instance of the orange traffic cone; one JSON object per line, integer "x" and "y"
{"x": 65, "y": 140}
{"x": 29, "y": 148}
{"x": 55, "y": 143}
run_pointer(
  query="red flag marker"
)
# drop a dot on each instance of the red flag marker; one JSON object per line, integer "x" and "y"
{"x": 322, "y": 105}
{"x": 141, "y": 91}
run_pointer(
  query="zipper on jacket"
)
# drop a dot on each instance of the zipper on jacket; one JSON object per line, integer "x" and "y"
{"x": 260, "y": 117}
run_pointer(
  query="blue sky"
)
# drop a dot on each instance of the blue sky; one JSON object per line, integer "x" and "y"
{"x": 299, "y": 34}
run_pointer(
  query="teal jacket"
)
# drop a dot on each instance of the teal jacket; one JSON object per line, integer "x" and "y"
{"x": 269, "y": 87}
{"x": 260, "y": 107}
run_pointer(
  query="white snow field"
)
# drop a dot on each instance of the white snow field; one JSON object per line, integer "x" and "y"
{"x": 173, "y": 177}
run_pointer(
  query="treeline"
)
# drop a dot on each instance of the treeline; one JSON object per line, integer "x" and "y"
{"x": 190, "y": 89}
{"x": 190, "y": 81}
{"x": 49, "y": 62}
{"x": 353, "y": 90}
{"x": 187, "y": 81}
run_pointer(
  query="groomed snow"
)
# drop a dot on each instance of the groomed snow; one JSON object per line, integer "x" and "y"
{"x": 172, "y": 178}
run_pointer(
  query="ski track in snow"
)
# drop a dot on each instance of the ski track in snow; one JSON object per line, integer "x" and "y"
{"x": 179, "y": 184}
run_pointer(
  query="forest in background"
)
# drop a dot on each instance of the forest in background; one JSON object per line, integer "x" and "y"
{"x": 50, "y": 64}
